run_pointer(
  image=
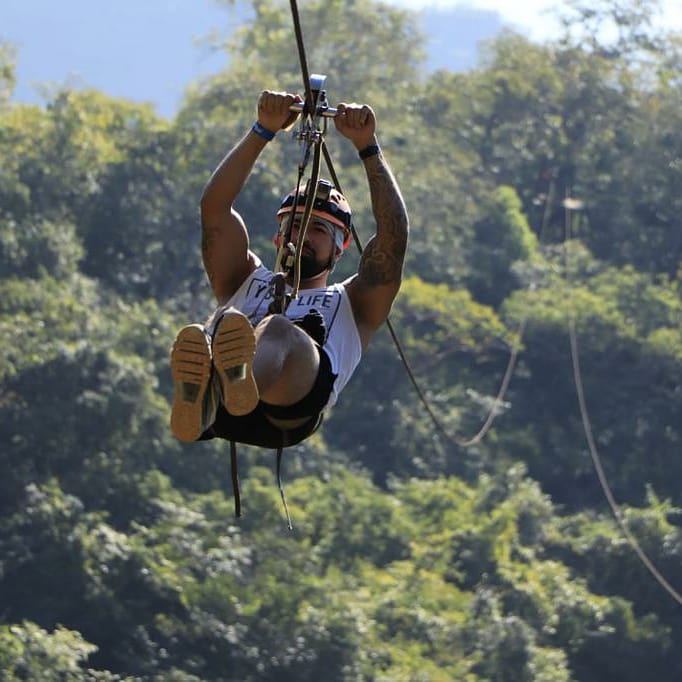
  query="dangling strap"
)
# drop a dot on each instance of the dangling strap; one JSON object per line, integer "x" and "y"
{"x": 235, "y": 482}
{"x": 280, "y": 450}
{"x": 235, "y": 479}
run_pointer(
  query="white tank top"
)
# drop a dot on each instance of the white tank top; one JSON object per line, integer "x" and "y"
{"x": 343, "y": 344}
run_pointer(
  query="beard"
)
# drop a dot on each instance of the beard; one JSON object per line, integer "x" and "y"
{"x": 311, "y": 267}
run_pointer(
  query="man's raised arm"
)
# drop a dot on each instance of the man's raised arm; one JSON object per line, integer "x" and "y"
{"x": 380, "y": 272}
{"x": 224, "y": 237}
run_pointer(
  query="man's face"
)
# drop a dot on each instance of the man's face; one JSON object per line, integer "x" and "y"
{"x": 319, "y": 247}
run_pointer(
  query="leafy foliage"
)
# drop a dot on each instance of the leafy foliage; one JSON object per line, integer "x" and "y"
{"x": 413, "y": 557}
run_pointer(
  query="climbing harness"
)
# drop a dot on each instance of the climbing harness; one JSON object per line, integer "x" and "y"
{"x": 312, "y": 128}
{"x": 313, "y": 117}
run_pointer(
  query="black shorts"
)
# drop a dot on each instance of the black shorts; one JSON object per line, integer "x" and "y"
{"x": 256, "y": 429}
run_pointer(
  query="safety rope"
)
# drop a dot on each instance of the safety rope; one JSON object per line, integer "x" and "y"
{"x": 571, "y": 210}
{"x": 300, "y": 45}
{"x": 516, "y": 346}
{"x": 280, "y": 451}
{"x": 389, "y": 324}
{"x": 311, "y": 192}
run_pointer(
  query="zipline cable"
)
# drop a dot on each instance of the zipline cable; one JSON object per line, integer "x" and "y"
{"x": 516, "y": 344}
{"x": 389, "y": 323}
{"x": 301, "y": 54}
{"x": 310, "y": 136}
{"x": 589, "y": 435}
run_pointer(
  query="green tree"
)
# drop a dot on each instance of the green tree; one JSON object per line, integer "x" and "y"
{"x": 29, "y": 652}
{"x": 7, "y": 72}
{"x": 629, "y": 379}
{"x": 503, "y": 237}
{"x": 412, "y": 557}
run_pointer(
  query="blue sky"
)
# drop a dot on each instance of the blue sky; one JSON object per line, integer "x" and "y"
{"x": 150, "y": 50}
{"x": 536, "y": 16}
{"x": 112, "y": 46}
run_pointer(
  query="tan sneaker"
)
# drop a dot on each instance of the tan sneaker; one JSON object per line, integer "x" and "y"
{"x": 234, "y": 346}
{"x": 190, "y": 363}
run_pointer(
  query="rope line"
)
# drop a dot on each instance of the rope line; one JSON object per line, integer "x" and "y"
{"x": 516, "y": 346}
{"x": 389, "y": 323}
{"x": 592, "y": 446}
{"x": 305, "y": 218}
{"x": 309, "y": 138}
{"x": 302, "y": 56}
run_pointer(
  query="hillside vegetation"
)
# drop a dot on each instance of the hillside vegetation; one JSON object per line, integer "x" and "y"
{"x": 413, "y": 557}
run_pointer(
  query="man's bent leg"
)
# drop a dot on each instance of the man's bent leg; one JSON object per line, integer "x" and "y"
{"x": 286, "y": 362}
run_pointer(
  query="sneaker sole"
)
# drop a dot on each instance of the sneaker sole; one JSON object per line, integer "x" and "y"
{"x": 234, "y": 346}
{"x": 191, "y": 371}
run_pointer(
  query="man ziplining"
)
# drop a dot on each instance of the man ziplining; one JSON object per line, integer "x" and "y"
{"x": 249, "y": 375}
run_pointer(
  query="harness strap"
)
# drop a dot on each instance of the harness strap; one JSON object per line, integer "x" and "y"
{"x": 235, "y": 482}
{"x": 235, "y": 479}
{"x": 280, "y": 450}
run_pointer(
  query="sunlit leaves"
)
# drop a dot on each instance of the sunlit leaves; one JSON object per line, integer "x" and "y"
{"x": 7, "y": 71}
{"x": 113, "y": 535}
{"x": 29, "y": 652}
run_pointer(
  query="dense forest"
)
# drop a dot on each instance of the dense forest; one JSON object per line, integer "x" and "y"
{"x": 544, "y": 189}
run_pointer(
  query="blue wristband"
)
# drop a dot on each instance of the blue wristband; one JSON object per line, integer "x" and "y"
{"x": 266, "y": 134}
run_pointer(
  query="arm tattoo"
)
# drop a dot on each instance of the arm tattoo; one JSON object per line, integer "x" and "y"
{"x": 382, "y": 259}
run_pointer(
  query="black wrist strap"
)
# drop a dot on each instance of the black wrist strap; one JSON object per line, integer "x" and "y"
{"x": 369, "y": 150}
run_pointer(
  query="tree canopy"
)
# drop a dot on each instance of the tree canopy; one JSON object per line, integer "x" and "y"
{"x": 543, "y": 193}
